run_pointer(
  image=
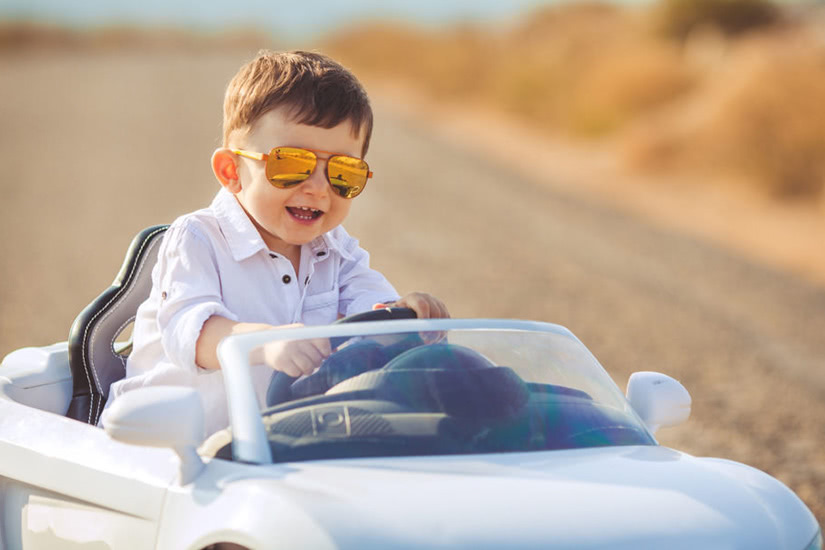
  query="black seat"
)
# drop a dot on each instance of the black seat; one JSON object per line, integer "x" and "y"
{"x": 94, "y": 361}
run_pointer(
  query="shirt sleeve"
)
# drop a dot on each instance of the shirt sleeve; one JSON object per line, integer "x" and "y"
{"x": 190, "y": 292}
{"x": 361, "y": 286}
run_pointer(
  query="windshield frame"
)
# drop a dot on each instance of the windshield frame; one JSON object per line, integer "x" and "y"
{"x": 249, "y": 440}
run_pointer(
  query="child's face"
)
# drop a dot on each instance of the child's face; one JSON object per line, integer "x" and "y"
{"x": 277, "y": 213}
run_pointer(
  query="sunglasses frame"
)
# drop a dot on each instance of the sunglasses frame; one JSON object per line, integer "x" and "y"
{"x": 265, "y": 156}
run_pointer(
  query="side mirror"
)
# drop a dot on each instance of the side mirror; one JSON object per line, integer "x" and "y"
{"x": 659, "y": 400}
{"x": 160, "y": 416}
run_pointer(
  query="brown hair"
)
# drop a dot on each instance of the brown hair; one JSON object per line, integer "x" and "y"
{"x": 316, "y": 89}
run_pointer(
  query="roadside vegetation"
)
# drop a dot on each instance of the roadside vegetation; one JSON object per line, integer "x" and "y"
{"x": 712, "y": 92}
{"x": 722, "y": 90}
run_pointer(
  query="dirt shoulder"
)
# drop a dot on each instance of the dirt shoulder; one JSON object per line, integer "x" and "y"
{"x": 785, "y": 235}
{"x": 736, "y": 334}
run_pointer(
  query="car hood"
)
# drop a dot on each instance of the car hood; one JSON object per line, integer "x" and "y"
{"x": 621, "y": 497}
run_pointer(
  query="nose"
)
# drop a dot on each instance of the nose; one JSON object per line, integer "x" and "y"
{"x": 316, "y": 183}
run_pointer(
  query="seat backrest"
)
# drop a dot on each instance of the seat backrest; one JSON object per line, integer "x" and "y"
{"x": 93, "y": 360}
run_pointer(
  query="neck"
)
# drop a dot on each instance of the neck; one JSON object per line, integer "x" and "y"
{"x": 290, "y": 251}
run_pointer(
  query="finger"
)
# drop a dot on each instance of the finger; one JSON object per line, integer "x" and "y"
{"x": 323, "y": 347}
{"x": 313, "y": 354}
{"x": 282, "y": 356}
{"x": 442, "y": 312}
{"x": 305, "y": 361}
{"x": 287, "y": 367}
{"x": 432, "y": 337}
{"x": 437, "y": 309}
{"x": 424, "y": 309}
{"x": 418, "y": 303}
{"x": 310, "y": 356}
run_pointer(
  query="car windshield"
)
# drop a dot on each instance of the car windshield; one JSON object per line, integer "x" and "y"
{"x": 455, "y": 391}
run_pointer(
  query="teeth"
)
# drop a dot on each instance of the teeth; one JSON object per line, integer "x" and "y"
{"x": 304, "y": 212}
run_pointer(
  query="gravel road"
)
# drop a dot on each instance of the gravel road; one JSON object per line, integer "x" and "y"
{"x": 94, "y": 146}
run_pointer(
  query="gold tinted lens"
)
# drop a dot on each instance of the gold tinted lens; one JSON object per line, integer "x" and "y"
{"x": 287, "y": 166}
{"x": 348, "y": 175}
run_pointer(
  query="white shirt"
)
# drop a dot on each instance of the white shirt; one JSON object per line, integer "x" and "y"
{"x": 214, "y": 262}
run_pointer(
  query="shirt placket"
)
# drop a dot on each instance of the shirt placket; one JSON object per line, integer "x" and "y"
{"x": 287, "y": 281}
{"x": 309, "y": 258}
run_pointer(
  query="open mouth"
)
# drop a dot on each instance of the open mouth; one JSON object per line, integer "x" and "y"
{"x": 304, "y": 213}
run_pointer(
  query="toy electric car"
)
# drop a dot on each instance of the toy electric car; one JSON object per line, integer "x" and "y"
{"x": 462, "y": 433}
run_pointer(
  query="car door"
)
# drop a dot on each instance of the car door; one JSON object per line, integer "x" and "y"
{"x": 65, "y": 484}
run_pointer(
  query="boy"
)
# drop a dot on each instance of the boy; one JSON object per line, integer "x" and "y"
{"x": 269, "y": 251}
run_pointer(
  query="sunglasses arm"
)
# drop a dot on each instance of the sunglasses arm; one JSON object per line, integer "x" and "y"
{"x": 250, "y": 154}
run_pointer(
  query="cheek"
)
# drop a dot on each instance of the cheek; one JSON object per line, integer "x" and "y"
{"x": 265, "y": 201}
{"x": 248, "y": 172}
{"x": 341, "y": 207}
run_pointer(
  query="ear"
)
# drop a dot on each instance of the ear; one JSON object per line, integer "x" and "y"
{"x": 225, "y": 169}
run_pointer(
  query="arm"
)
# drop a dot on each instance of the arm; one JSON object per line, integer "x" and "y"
{"x": 192, "y": 317}
{"x": 363, "y": 288}
{"x": 213, "y": 331}
{"x": 187, "y": 280}
{"x": 293, "y": 357}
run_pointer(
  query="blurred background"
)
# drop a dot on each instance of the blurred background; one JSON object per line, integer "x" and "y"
{"x": 649, "y": 174}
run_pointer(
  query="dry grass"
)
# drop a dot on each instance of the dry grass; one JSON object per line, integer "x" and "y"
{"x": 727, "y": 87}
{"x": 772, "y": 127}
{"x": 579, "y": 67}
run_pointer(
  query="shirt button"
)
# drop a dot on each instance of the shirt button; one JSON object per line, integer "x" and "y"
{"x": 286, "y": 279}
{"x": 273, "y": 255}
{"x": 321, "y": 253}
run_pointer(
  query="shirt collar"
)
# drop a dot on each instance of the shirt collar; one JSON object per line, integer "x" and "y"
{"x": 243, "y": 237}
{"x": 327, "y": 243}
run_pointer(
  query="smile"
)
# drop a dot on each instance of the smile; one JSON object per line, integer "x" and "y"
{"x": 304, "y": 213}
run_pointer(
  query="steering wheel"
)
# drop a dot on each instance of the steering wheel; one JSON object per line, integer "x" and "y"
{"x": 350, "y": 361}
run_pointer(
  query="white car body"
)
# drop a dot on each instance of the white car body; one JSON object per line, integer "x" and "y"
{"x": 140, "y": 483}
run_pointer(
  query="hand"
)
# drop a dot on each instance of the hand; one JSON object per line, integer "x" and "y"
{"x": 424, "y": 305}
{"x": 293, "y": 357}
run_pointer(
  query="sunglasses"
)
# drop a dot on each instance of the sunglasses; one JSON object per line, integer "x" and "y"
{"x": 288, "y": 166}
